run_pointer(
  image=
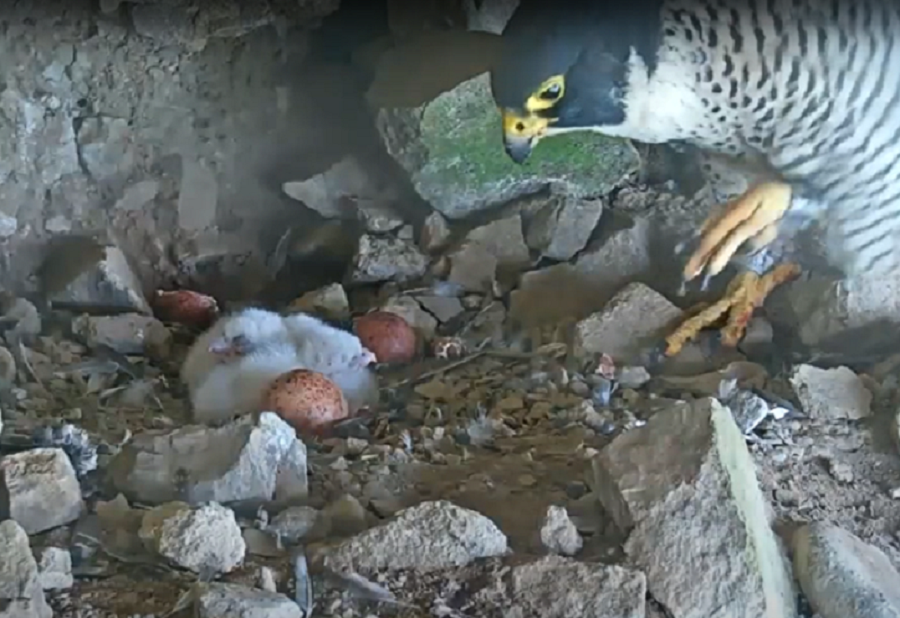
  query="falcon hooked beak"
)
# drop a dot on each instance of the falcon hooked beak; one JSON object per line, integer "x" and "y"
{"x": 522, "y": 132}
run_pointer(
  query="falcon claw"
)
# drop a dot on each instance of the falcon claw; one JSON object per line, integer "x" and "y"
{"x": 751, "y": 218}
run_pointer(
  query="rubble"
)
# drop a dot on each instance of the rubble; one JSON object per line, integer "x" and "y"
{"x": 831, "y": 393}
{"x": 683, "y": 487}
{"x": 843, "y": 576}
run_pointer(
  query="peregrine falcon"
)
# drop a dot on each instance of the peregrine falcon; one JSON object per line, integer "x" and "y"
{"x": 804, "y": 93}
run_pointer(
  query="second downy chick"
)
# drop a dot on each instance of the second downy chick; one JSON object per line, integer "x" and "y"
{"x": 237, "y": 387}
{"x": 231, "y": 337}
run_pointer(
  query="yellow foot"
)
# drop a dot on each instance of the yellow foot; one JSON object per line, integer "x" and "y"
{"x": 752, "y": 217}
{"x": 745, "y": 292}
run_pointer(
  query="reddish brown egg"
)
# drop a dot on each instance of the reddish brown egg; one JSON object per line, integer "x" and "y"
{"x": 307, "y": 400}
{"x": 186, "y": 307}
{"x": 388, "y": 336}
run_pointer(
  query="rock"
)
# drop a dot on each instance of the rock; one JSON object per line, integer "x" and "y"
{"x": 452, "y": 150}
{"x": 344, "y": 516}
{"x": 138, "y": 195}
{"x": 294, "y": 523}
{"x": 591, "y": 590}
{"x": 39, "y": 489}
{"x": 126, "y": 334}
{"x": 39, "y": 147}
{"x": 110, "y": 282}
{"x": 55, "y": 568}
{"x": 334, "y": 193}
{"x": 20, "y": 587}
{"x": 106, "y": 148}
{"x": 198, "y": 196}
{"x": 444, "y": 308}
{"x": 330, "y": 301}
{"x": 684, "y": 487}
{"x": 559, "y": 534}
{"x": 411, "y": 311}
{"x": 435, "y": 233}
{"x": 224, "y": 600}
{"x": 429, "y": 536}
{"x": 378, "y": 217}
{"x": 248, "y": 459}
{"x": 504, "y": 240}
{"x": 206, "y": 539}
{"x": 842, "y": 576}
{"x": 634, "y": 319}
{"x": 387, "y": 259}
{"x": 473, "y": 268}
{"x": 8, "y": 226}
{"x": 831, "y": 393}
{"x": 563, "y": 227}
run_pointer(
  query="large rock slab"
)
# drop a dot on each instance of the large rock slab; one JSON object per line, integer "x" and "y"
{"x": 684, "y": 486}
{"x": 452, "y": 150}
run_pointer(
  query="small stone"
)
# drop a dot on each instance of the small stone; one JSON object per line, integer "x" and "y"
{"x": 265, "y": 579}
{"x": 559, "y": 534}
{"x": 126, "y": 334}
{"x": 138, "y": 195}
{"x": 106, "y": 145}
{"x": 55, "y": 568}
{"x": 203, "y": 539}
{"x": 435, "y": 233}
{"x": 473, "y": 268}
{"x": 844, "y": 577}
{"x": 345, "y": 515}
{"x": 636, "y": 318}
{"x": 563, "y": 227}
{"x": 410, "y": 310}
{"x": 632, "y": 377}
{"x": 8, "y": 226}
{"x": 504, "y": 240}
{"x": 20, "y": 588}
{"x": 428, "y": 536}
{"x": 294, "y": 523}
{"x": 219, "y": 600}
{"x": 40, "y": 489}
{"x": 831, "y": 393}
{"x": 444, "y": 308}
{"x": 330, "y": 301}
{"x": 378, "y": 217}
{"x": 387, "y": 259}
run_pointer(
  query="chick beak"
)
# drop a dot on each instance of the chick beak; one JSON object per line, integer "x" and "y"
{"x": 521, "y": 134}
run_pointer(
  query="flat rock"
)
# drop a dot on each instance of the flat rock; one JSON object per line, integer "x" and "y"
{"x": 384, "y": 258}
{"x": 252, "y": 458}
{"x": 20, "y": 589}
{"x": 225, "y": 600}
{"x": 831, "y": 393}
{"x": 39, "y": 489}
{"x": 504, "y": 240}
{"x": 563, "y": 227}
{"x": 428, "y": 536}
{"x": 635, "y": 318}
{"x": 844, "y": 577}
{"x": 684, "y": 487}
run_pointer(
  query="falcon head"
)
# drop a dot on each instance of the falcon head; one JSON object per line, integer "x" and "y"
{"x": 567, "y": 66}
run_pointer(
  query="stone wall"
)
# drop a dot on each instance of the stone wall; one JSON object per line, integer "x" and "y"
{"x": 169, "y": 124}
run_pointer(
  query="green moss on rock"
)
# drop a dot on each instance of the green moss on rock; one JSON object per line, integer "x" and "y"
{"x": 460, "y": 166}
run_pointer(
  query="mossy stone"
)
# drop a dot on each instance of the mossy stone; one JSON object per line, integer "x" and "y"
{"x": 453, "y": 151}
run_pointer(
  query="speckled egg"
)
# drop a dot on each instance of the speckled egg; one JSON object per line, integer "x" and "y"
{"x": 388, "y": 336}
{"x": 307, "y": 400}
{"x": 185, "y": 307}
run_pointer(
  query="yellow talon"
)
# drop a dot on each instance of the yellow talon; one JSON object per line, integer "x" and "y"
{"x": 751, "y": 217}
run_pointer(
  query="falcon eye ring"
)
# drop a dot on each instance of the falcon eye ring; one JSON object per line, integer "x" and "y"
{"x": 551, "y": 93}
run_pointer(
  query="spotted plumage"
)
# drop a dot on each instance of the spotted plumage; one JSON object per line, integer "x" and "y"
{"x": 803, "y": 93}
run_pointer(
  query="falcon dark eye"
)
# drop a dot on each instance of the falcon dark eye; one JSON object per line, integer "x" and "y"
{"x": 551, "y": 93}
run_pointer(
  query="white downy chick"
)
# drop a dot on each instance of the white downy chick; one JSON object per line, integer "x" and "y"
{"x": 232, "y": 336}
{"x": 337, "y": 354}
{"x": 237, "y": 387}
